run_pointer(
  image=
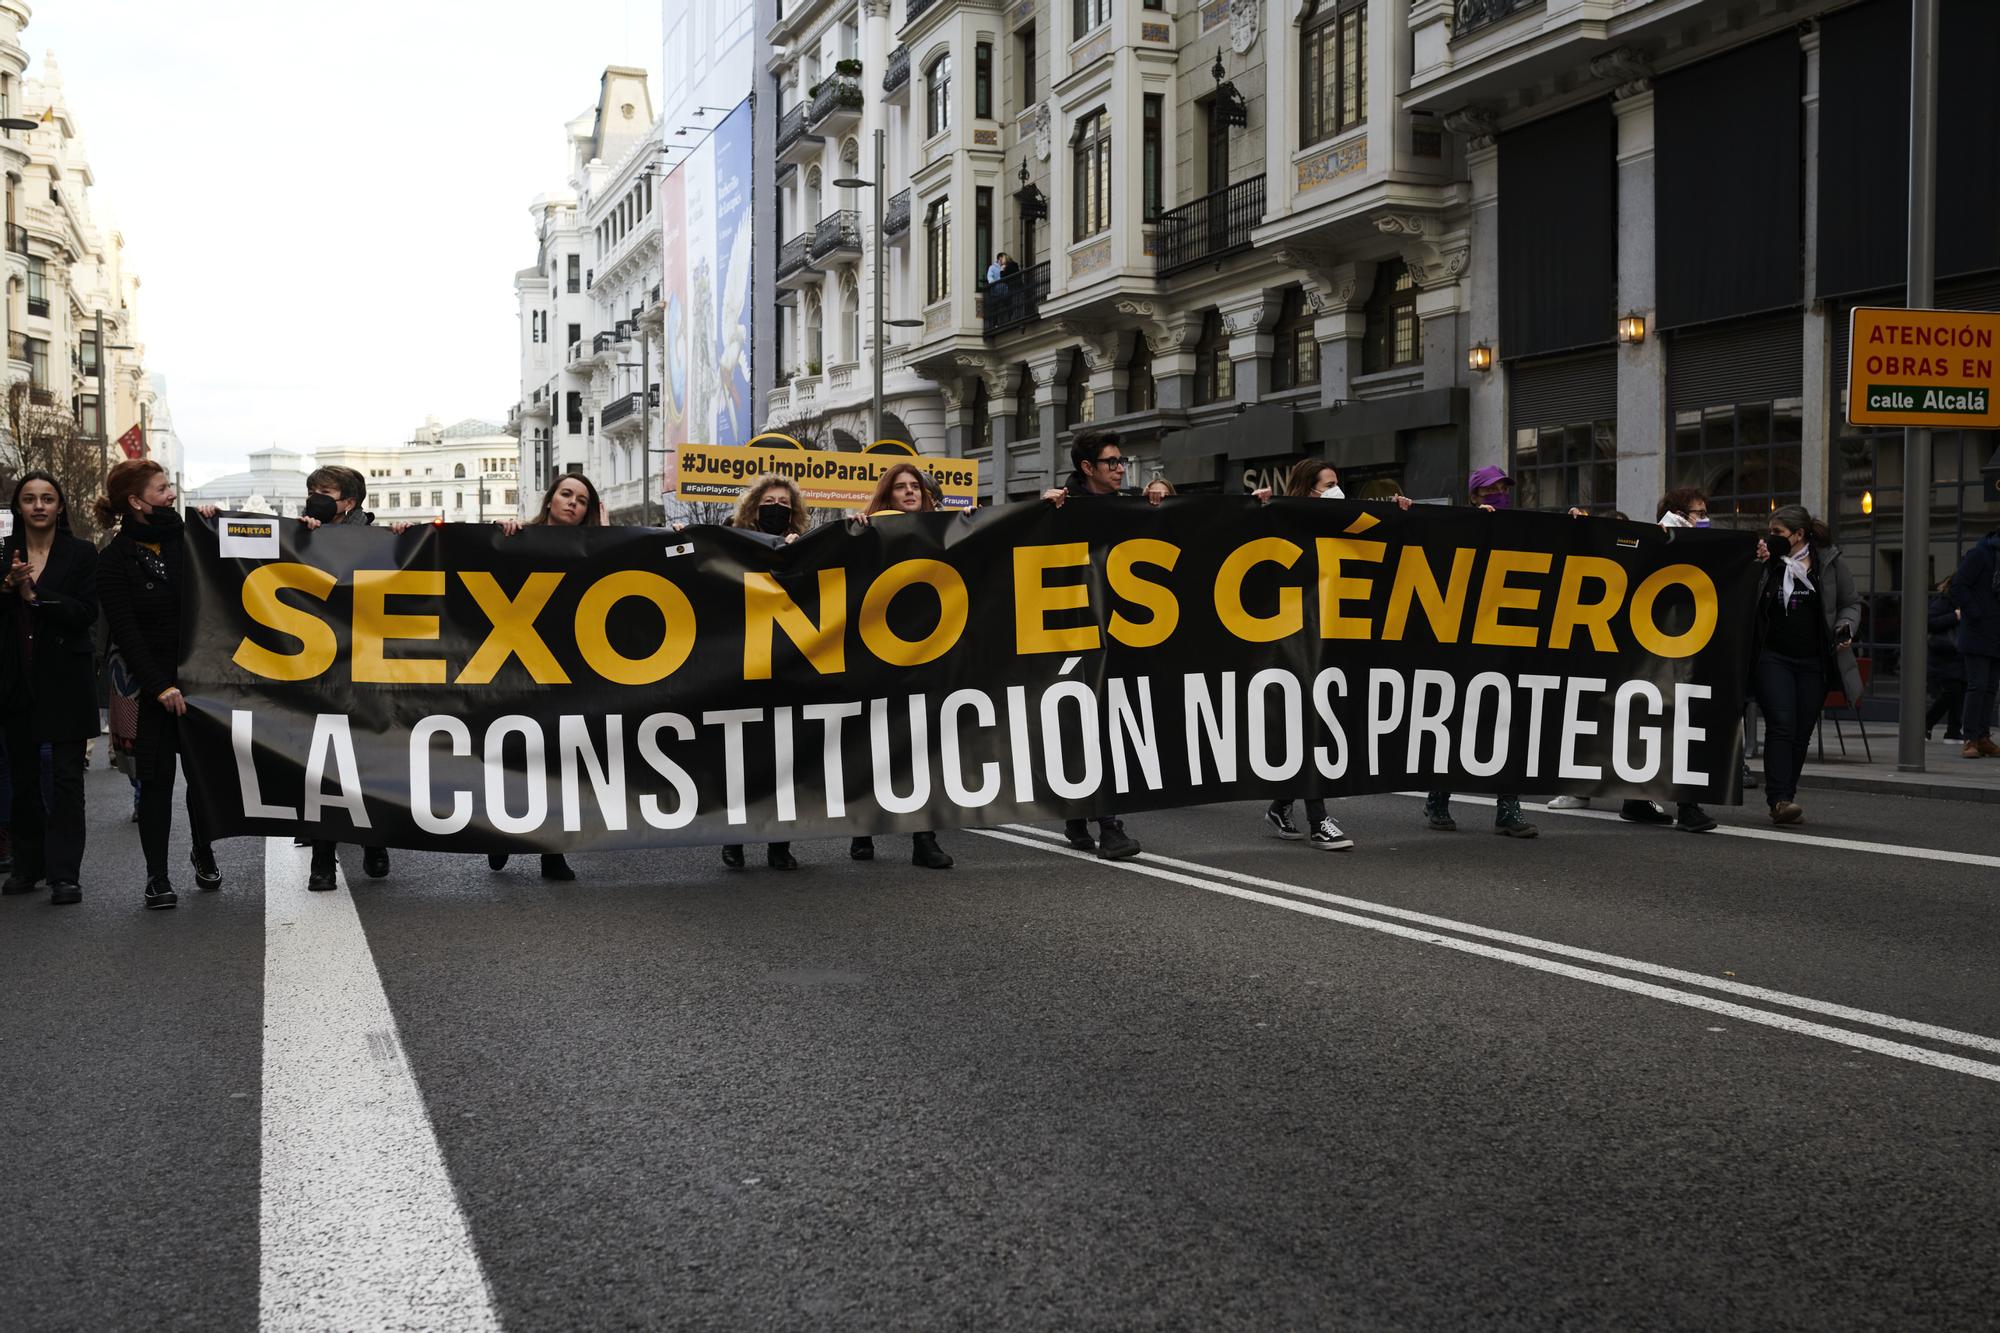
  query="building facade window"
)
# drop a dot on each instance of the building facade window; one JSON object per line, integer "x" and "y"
{"x": 982, "y": 233}
{"x": 38, "y": 363}
{"x": 38, "y": 285}
{"x": 1294, "y": 352}
{"x": 575, "y": 335}
{"x": 89, "y": 418}
{"x": 1079, "y": 404}
{"x": 937, "y": 96}
{"x": 982, "y": 416}
{"x": 937, "y": 251}
{"x": 982, "y": 80}
{"x": 850, "y": 320}
{"x": 1333, "y": 70}
{"x": 809, "y": 319}
{"x": 1746, "y": 458}
{"x": 1150, "y": 152}
{"x": 86, "y": 349}
{"x": 1572, "y": 466}
{"x": 573, "y": 410}
{"x": 1089, "y": 15}
{"x": 1025, "y": 40}
{"x": 1091, "y": 172}
{"x": 1214, "y": 372}
{"x": 574, "y": 272}
{"x": 1142, "y": 392}
{"x": 1389, "y": 337}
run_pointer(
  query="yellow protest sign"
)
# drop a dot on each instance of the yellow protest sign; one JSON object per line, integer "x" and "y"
{"x": 827, "y": 480}
{"x": 1923, "y": 368}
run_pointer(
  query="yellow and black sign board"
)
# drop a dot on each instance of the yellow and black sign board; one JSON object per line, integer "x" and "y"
{"x": 1924, "y": 368}
{"x": 827, "y": 480}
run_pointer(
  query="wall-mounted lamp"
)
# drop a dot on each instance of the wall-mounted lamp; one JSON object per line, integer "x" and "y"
{"x": 1480, "y": 358}
{"x": 1867, "y": 502}
{"x": 1632, "y": 329}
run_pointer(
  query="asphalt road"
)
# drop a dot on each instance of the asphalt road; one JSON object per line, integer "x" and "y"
{"x": 1610, "y": 1078}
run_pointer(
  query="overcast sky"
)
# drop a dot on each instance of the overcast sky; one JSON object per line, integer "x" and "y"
{"x": 326, "y": 204}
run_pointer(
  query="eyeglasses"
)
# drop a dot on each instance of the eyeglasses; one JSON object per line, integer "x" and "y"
{"x": 1113, "y": 461}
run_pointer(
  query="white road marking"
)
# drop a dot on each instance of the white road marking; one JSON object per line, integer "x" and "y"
{"x": 360, "y": 1227}
{"x": 1685, "y": 978}
{"x": 1784, "y": 1022}
{"x": 1768, "y": 835}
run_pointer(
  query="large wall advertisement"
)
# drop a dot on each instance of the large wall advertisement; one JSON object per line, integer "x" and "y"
{"x": 707, "y": 286}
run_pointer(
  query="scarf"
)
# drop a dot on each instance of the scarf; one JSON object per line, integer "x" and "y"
{"x": 1798, "y": 575}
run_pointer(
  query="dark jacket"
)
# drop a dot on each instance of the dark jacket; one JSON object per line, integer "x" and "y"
{"x": 141, "y": 594}
{"x": 1975, "y": 591}
{"x": 1840, "y": 602}
{"x": 1079, "y": 489}
{"x": 57, "y": 687}
{"x": 1943, "y": 661}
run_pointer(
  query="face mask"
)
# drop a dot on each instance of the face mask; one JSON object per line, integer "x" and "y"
{"x": 1701, "y": 522}
{"x": 774, "y": 519}
{"x": 320, "y": 507}
{"x": 1500, "y": 500}
{"x": 1333, "y": 493}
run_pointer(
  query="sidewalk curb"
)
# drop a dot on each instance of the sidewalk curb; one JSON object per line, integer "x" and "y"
{"x": 1923, "y": 790}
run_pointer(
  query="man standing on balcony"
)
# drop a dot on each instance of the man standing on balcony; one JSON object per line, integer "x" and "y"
{"x": 1099, "y": 473}
{"x": 997, "y": 275}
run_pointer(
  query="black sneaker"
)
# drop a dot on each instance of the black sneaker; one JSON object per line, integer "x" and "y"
{"x": 1114, "y": 843}
{"x": 160, "y": 894}
{"x": 1694, "y": 819}
{"x": 207, "y": 875}
{"x": 1327, "y": 837}
{"x": 1643, "y": 812}
{"x": 556, "y": 868}
{"x": 779, "y": 856}
{"x": 732, "y": 855}
{"x": 375, "y": 862}
{"x": 496, "y": 860}
{"x": 1279, "y": 817}
{"x": 1437, "y": 813}
{"x": 925, "y": 852}
{"x": 1508, "y": 821}
{"x": 862, "y": 849}
{"x": 64, "y": 892}
{"x": 1078, "y": 833}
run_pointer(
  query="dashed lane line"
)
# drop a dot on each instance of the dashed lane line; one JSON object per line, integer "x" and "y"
{"x": 1207, "y": 880}
{"x": 359, "y": 1225}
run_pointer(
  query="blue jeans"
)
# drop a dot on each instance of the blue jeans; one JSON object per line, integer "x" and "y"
{"x": 1791, "y": 691}
{"x": 1981, "y": 672}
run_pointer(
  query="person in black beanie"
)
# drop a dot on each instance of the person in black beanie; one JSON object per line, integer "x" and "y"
{"x": 139, "y": 579}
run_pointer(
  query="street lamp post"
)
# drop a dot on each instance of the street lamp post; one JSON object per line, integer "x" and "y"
{"x": 880, "y": 186}
{"x": 1911, "y": 703}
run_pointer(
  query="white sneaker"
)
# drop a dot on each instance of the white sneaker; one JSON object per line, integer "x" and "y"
{"x": 1569, "y": 803}
{"x": 1280, "y": 818}
{"x": 1327, "y": 837}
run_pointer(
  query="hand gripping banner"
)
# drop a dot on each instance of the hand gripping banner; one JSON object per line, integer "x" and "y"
{"x": 564, "y": 689}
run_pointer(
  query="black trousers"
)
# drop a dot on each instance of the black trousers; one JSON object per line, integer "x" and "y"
{"x": 1791, "y": 691}
{"x": 157, "y": 752}
{"x": 48, "y": 838}
{"x": 1948, "y": 707}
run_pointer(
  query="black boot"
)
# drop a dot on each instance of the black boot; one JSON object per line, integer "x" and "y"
{"x": 375, "y": 861}
{"x": 207, "y": 875}
{"x": 323, "y": 876}
{"x": 1078, "y": 833}
{"x": 779, "y": 856}
{"x": 862, "y": 849}
{"x": 1113, "y": 842}
{"x": 732, "y": 855}
{"x": 496, "y": 860}
{"x": 925, "y": 852}
{"x": 65, "y": 892}
{"x": 554, "y": 867}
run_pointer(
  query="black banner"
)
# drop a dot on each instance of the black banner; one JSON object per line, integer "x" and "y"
{"x": 560, "y": 689}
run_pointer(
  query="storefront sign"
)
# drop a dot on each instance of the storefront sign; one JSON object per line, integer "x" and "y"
{"x": 827, "y": 480}
{"x": 1924, "y": 368}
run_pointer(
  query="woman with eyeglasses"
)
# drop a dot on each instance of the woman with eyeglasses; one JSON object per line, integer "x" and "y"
{"x": 1807, "y": 608}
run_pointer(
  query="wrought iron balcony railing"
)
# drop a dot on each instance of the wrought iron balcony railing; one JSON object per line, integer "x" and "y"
{"x": 1472, "y": 15}
{"x": 1210, "y": 228}
{"x": 899, "y": 70}
{"x": 896, "y": 214}
{"x": 792, "y": 256}
{"x": 835, "y": 93}
{"x": 1017, "y": 300}
{"x": 837, "y": 231}
{"x": 618, "y": 409}
{"x": 916, "y": 9}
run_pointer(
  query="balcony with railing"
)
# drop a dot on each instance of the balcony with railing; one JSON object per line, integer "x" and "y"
{"x": 793, "y": 269}
{"x": 794, "y": 145}
{"x": 896, "y": 215}
{"x": 837, "y": 236}
{"x": 1209, "y": 229}
{"x": 17, "y": 347}
{"x": 1472, "y": 15}
{"x": 38, "y": 306}
{"x": 914, "y": 10}
{"x": 618, "y": 409}
{"x": 897, "y": 77}
{"x": 1018, "y": 300}
{"x": 836, "y": 105}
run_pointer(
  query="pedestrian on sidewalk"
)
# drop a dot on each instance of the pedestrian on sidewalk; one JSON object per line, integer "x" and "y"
{"x": 47, "y": 613}
{"x": 139, "y": 578}
{"x": 333, "y": 498}
{"x": 1975, "y": 592}
{"x": 1491, "y": 490}
{"x": 1807, "y": 609}
{"x": 1943, "y": 667}
{"x": 1097, "y": 473}
{"x": 903, "y": 489}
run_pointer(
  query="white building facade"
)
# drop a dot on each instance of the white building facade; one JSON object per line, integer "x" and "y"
{"x": 467, "y": 472}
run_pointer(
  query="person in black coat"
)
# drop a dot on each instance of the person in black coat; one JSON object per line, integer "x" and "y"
{"x": 139, "y": 581}
{"x": 47, "y": 612}
{"x": 1944, "y": 668}
{"x": 1975, "y": 593}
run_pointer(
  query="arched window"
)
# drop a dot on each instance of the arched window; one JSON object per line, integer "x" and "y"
{"x": 1079, "y": 405}
{"x": 809, "y": 306}
{"x": 850, "y": 317}
{"x": 1214, "y": 373}
{"x": 1142, "y": 395}
{"x": 1295, "y": 354}
{"x": 458, "y": 472}
{"x": 1389, "y": 335}
{"x": 1333, "y": 69}
{"x": 937, "y": 95}
{"x": 937, "y": 251}
{"x": 1091, "y": 160}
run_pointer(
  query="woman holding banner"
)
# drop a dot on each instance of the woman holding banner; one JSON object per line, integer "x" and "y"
{"x": 774, "y": 507}
{"x": 904, "y": 489}
{"x": 47, "y": 612}
{"x": 139, "y": 582}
